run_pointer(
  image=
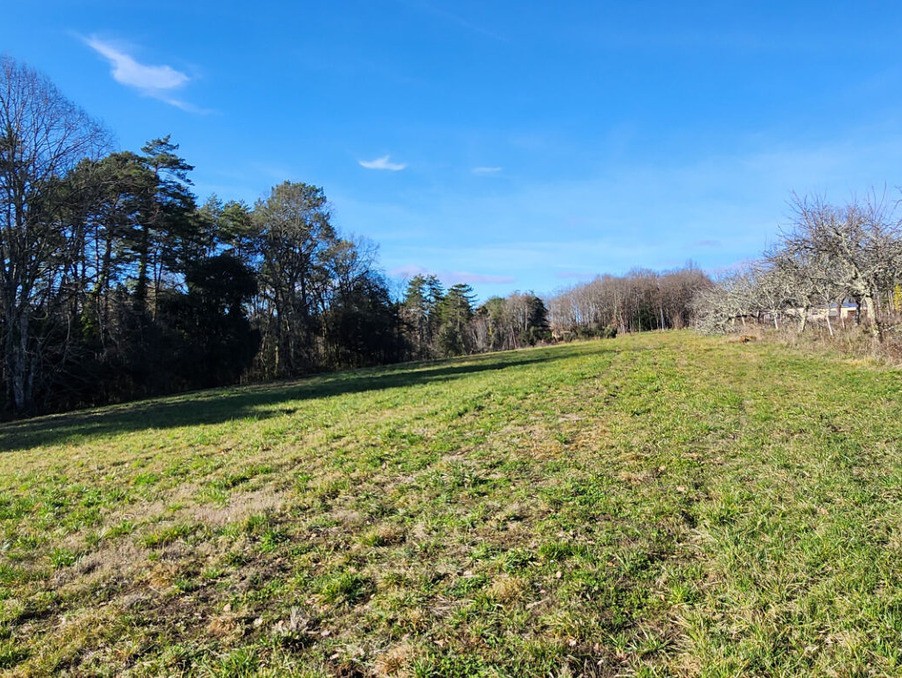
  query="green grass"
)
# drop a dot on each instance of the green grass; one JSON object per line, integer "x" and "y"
{"x": 662, "y": 504}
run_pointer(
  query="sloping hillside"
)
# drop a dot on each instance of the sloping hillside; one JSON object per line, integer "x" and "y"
{"x": 662, "y": 503}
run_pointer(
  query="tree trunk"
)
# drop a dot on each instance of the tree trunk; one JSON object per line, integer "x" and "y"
{"x": 142, "y": 282}
{"x": 17, "y": 362}
{"x": 874, "y": 322}
{"x": 804, "y": 320}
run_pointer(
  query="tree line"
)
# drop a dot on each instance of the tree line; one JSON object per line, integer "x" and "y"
{"x": 638, "y": 301}
{"x": 115, "y": 283}
{"x": 830, "y": 257}
{"x": 442, "y": 323}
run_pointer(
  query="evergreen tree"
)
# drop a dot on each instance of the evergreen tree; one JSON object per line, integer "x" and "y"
{"x": 420, "y": 314}
{"x": 455, "y": 312}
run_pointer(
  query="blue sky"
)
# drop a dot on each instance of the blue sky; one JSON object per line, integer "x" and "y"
{"x": 511, "y": 145}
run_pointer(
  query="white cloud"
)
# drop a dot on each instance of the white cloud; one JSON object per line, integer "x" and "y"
{"x": 383, "y": 163}
{"x": 153, "y": 81}
{"x": 707, "y": 243}
{"x": 574, "y": 275}
{"x": 715, "y": 209}
{"x": 480, "y": 278}
{"x": 453, "y": 277}
{"x": 409, "y": 271}
{"x": 482, "y": 171}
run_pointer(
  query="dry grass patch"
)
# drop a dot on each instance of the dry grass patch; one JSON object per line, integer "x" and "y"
{"x": 396, "y": 661}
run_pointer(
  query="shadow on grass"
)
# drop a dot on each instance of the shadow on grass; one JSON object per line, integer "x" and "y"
{"x": 258, "y": 402}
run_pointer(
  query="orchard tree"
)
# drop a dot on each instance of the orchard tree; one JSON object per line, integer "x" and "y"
{"x": 735, "y": 296}
{"x": 808, "y": 280}
{"x": 861, "y": 242}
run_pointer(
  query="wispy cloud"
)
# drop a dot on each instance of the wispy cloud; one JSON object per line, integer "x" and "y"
{"x": 454, "y": 277}
{"x": 483, "y": 171}
{"x": 153, "y": 81}
{"x": 574, "y": 275}
{"x": 713, "y": 208}
{"x": 409, "y": 271}
{"x": 383, "y": 163}
{"x": 455, "y": 19}
{"x": 479, "y": 278}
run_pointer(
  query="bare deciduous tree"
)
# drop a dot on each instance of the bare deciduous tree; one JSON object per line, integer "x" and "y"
{"x": 640, "y": 300}
{"x": 860, "y": 245}
{"x": 42, "y": 137}
{"x": 734, "y": 297}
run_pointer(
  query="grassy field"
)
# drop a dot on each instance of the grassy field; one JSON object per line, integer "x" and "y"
{"x": 662, "y": 504}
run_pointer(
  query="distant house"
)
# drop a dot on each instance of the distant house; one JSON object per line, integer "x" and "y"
{"x": 848, "y": 310}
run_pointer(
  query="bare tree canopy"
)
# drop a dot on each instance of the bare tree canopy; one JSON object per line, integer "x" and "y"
{"x": 860, "y": 244}
{"x": 640, "y": 300}
{"x": 828, "y": 255}
{"x": 42, "y": 136}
